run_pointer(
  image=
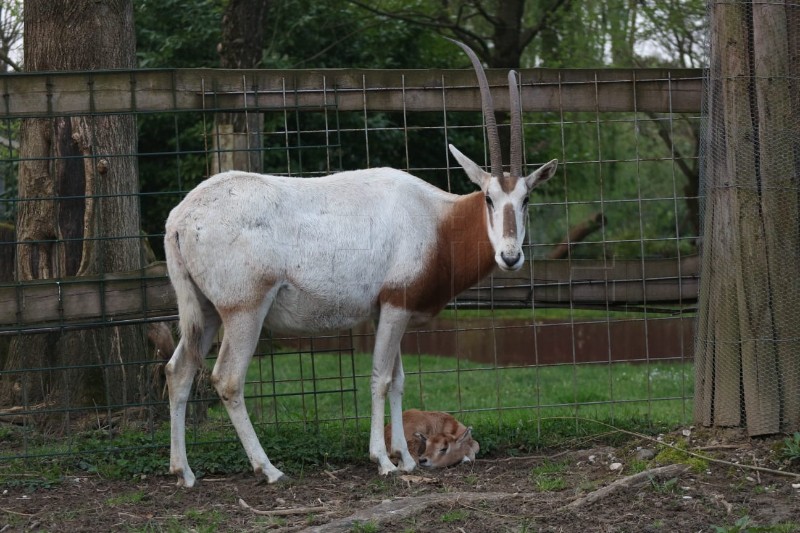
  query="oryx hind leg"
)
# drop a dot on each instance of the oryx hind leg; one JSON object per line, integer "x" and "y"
{"x": 242, "y": 329}
{"x": 180, "y": 372}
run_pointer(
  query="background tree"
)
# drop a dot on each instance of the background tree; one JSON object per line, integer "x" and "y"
{"x": 237, "y": 136}
{"x": 498, "y": 32}
{"x": 405, "y": 34}
{"x": 78, "y": 213}
{"x": 563, "y": 34}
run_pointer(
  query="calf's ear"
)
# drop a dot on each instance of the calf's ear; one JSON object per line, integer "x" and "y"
{"x": 466, "y": 435}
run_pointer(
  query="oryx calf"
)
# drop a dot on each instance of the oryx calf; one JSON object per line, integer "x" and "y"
{"x": 435, "y": 439}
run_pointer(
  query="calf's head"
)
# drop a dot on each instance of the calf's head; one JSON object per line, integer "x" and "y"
{"x": 443, "y": 450}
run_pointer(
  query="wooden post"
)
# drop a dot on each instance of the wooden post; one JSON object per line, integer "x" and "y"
{"x": 747, "y": 342}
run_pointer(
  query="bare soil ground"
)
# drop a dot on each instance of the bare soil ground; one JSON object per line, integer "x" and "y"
{"x": 571, "y": 490}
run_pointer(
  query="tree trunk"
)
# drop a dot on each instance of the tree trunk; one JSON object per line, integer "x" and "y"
{"x": 748, "y": 371}
{"x": 237, "y": 136}
{"x": 81, "y": 217}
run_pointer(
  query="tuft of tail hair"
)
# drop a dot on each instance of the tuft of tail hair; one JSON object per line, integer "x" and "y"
{"x": 190, "y": 309}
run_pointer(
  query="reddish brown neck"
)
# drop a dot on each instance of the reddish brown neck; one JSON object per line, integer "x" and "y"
{"x": 461, "y": 256}
{"x": 464, "y": 245}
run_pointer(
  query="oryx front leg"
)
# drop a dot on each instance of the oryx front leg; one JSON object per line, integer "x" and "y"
{"x": 391, "y": 327}
{"x": 238, "y": 344}
{"x": 399, "y": 443}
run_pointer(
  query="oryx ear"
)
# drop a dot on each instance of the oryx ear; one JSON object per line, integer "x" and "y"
{"x": 541, "y": 174}
{"x": 464, "y": 436}
{"x": 476, "y": 174}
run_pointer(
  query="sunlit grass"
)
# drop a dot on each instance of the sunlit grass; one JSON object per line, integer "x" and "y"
{"x": 311, "y": 409}
{"x": 330, "y": 387}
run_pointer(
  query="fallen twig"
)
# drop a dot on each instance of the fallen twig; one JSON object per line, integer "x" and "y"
{"x": 405, "y": 507}
{"x": 281, "y": 512}
{"x": 16, "y": 512}
{"x": 633, "y": 481}
{"x": 717, "y": 447}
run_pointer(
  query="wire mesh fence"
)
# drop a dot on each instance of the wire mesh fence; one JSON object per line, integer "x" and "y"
{"x": 597, "y": 324}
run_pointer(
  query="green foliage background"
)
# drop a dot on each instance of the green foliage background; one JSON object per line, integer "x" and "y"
{"x": 615, "y": 163}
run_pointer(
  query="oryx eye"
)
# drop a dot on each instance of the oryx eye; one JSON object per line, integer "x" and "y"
{"x": 489, "y": 202}
{"x": 443, "y": 450}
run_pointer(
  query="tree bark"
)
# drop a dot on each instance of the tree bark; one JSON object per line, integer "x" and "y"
{"x": 78, "y": 215}
{"x": 747, "y": 371}
{"x": 237, "y": 136}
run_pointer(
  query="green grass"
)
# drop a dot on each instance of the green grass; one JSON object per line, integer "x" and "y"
{"x": 312, "y": 410}
{"x": 330, "y": 387}
{"x": 564, "y": 314}
{"x": 456, "y": 515}
{"x": 548, "y": 477}
{"x": 745, "y": 525}
{"x": 791, "y": 448}
{"x": 364, "y": 527}
{"x": 676, "y": 455}
{"x": 326, "y": 399}
{"x": 136, "y": 496}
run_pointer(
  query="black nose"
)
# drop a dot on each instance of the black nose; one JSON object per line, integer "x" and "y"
{"x": 423, "y": 460}
{"x": 510, "y": 259}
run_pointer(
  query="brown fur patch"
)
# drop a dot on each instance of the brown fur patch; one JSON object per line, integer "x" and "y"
{"x": 509, "y": 221}
{"x": 461, "y": 257}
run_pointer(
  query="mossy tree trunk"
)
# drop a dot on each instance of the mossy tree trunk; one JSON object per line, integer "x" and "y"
{"x": 78, "y": 215}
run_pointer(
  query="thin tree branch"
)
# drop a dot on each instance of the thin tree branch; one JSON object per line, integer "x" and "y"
{"x": 665, "y": 135}
{"x": 334, "y": 44}
{"x": 494, "y": 21}
{"x": 528, "y": 35}
{"x": 10, "y": 62}
{"x": 472, "y": 39}
{"x": 10, "y": 143}
{"x": 281, "y": 512}
{"x": 417, "y": 18}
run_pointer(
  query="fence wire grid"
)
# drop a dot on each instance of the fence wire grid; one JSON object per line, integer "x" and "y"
{"x": 598, "y": 324}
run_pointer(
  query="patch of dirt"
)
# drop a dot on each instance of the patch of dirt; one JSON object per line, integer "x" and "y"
{"x": 564, "y": 490}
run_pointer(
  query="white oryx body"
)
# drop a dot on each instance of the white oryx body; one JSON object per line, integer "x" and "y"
{"x": 315, "y": 254}
{"x": 326, "y": 246}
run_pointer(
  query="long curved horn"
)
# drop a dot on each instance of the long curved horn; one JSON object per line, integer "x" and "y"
{"x": 516, "y": 125}
{"x": 495, "y": 155}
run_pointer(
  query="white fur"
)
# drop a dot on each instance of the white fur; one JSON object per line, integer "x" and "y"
{"x": 301, "y": 255}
